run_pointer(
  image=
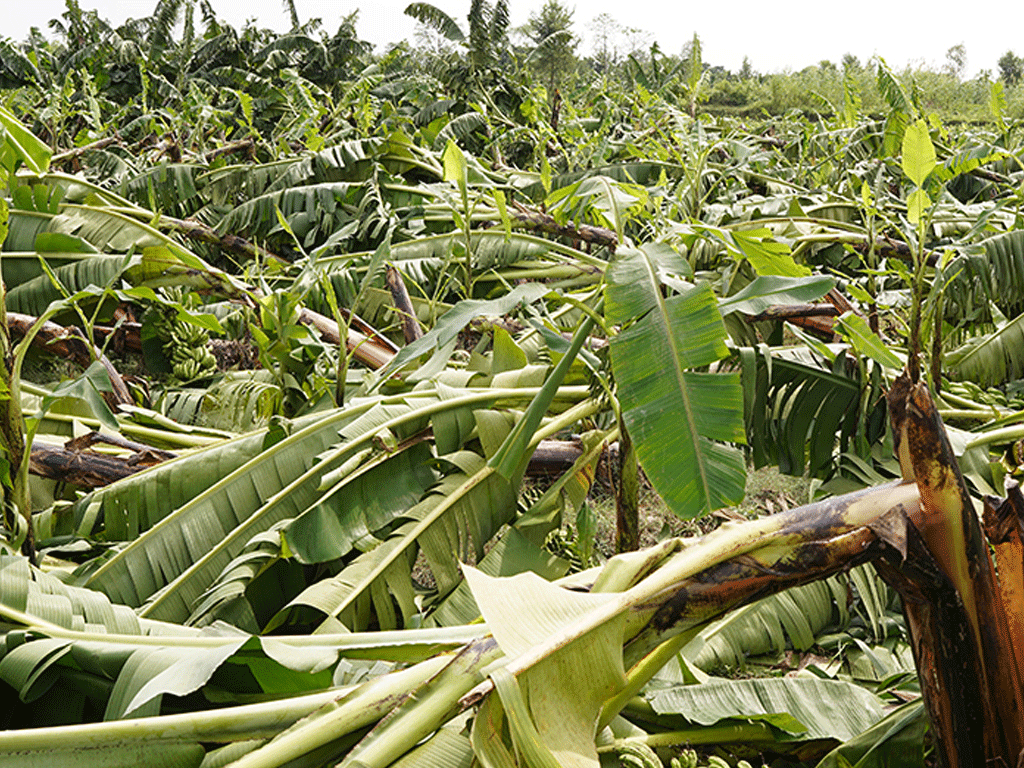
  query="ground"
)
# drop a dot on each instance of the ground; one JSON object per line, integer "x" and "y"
{"x": 768, "y": 491}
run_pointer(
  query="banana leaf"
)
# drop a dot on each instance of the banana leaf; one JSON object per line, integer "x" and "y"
{"x": 992, "y": 359}
{"x": 192, "y": 529}
{"x": 895, "y": 741}
{"x": 796, "y": 409}
{"x": 360, "y": 503}
{"x": 682, "y": 421}
{"x": 802, "y": 708}
{"x": 35, "y": 295}
{"x": 21, "y": 146}
{"x": 770, "y": 290}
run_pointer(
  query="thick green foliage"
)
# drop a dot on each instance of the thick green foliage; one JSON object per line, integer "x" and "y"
{"x": 612, "y": 267}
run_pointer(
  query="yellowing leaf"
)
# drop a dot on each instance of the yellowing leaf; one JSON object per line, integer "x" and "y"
{"x": 918, "y": 152}
{"x": 768, "y": 256}
{"x": 567, "y": 687}
{"x": 455, "y": 166}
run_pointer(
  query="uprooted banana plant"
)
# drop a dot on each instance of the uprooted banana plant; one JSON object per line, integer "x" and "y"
{"x": 551, "y": 675}
{"x": 580, "y": 649}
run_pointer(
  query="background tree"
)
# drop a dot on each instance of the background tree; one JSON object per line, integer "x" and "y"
{"x": 746, "y": 69}
{"x": 956, "y": 60}
{"x": 1011, "y": 67}
{"x": 850, "y": 62}
{"x": 293, "y": 14}
{"x": 486, "y": 44}
{"x": 554, "y": 58}
{"x": 638, "y": 42}
{"x": 605, "y": 30}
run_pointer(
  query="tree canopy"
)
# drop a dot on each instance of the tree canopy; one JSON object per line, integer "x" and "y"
{"x": 550, "y": 31}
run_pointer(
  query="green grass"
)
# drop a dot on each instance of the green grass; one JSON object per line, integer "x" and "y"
{"x": 768, "y": 491}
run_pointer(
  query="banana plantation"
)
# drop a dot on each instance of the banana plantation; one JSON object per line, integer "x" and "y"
{"x": 318, "y": 362}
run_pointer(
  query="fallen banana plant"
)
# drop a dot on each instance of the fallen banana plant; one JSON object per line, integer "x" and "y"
{"x": 553, "y": 664}
{"x": 581, "y": 648}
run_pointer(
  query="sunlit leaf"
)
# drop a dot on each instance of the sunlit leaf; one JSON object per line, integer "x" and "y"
{"x": 918, "y": 152}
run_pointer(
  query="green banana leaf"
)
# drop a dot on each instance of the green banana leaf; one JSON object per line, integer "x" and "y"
{"x": 895, "y": 741}
{"x": 312, "y": 211}
{"x": 106, "y": 230}
{"x": 991, "y": 272}
{"x": 188, "y": 549}
{"x": 346, "y": 161}
{"x": 682, "y": 421}
{"x": 765, "y": 291}
{"x": 992, "y": 359}
{"x": 441, "y": 338}
{"x": 123, "y": 510}
{"x": 202, "y": 524}
{"x": 21, "y": 146}
{"x": 796, "y": 409}
{"x": 363, "y": 501}
{"x": 451, "y": 525}
{"x": 251, "y": 585}
{"x": 22, "y": 266}
{"x": 512, "y": 554}
{"x": 171, "y": 188}
{"x": 238, "y": 401}
{"x": 35, "y": 295}
{"x": 448, "y": 747}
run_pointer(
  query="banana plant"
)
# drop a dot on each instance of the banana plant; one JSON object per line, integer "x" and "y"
{"x": 533, "y": 649}
{"x": 256, "y": 591}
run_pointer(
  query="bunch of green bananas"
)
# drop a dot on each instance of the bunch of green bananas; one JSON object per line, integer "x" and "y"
{"x": 186, "y": 347}
{"x": 992, "y": 396}
{"x": 688, "y": 759}
{"x": 637, "y": 755}
{"x": 562, "y": 543}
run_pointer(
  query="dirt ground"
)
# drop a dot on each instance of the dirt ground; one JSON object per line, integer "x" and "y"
{"x": 768, "y": 491}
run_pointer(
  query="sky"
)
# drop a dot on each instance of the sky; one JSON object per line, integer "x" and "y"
{"x": 786, "y": 35}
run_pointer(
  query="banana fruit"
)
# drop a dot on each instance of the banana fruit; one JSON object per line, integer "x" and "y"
{"x": 992, "y": 396}
{"x": 186, "y": 347}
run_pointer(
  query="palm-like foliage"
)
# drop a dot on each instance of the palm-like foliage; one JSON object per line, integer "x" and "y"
{"x": 320, "y": 521}
{"x": 486, "y": 72}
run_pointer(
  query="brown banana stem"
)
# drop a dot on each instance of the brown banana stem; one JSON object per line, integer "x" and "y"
{"x": 403, "y": 304}
{"x": 951, "y": 533}
{"x": 70, "y": 343}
